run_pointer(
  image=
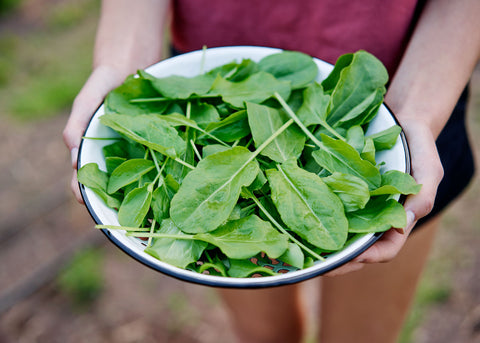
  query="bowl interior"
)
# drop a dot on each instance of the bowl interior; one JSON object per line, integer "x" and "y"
{"x": 189, "y": 65}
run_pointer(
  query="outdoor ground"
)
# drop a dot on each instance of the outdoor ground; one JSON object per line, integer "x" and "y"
{"x": 62, "y": 281}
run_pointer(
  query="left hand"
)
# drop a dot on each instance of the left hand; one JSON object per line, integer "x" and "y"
{"x": 427, "y": 171}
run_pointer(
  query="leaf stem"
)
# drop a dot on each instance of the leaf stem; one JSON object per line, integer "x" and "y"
{"x": 281, "y": 229}
{"x": 300, "y": 124}
{"x": 161, "y": 99}
{"x": 188, "y": 165}
{"x": 159, "y": 235}
{"x": 195, "y": 150}
{"x": 149, "y": 242}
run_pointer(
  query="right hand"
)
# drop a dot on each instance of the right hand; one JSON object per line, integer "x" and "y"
{"x": 102, "y": 80}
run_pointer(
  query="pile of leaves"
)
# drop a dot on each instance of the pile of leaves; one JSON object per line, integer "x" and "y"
{"x": 250, "y": 164}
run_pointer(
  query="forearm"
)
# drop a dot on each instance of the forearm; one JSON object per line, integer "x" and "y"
{"x": 437, "y": 64}
{"x": 130, "y": 34}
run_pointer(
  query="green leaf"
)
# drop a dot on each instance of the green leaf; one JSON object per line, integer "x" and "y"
{"x": 314, "y": 108}
{"x": 180, "y": 87}
{"x": 204, "y": 114}
{"x": 368, "y": 152}
{"x": 308, "y": 206}
{"x": 352, "y": 190}
{"x": 232, "y": 128}
{"x": 293, "y": 256}
{"x": 358, "y": 87}
{"x": 135, "y": 206}
{"x": 378, "y": 216}
{"x": 256, "y": 88}
{"x": 246, "y": 237}
{"x": 119, "y": 100}
{"x": 209, "y": 193}
{"x": 356, "y": 138}
{"x": 338, "y": 156}
{"x": 113, "y": 162}
{"x": 160, "y": 203}
{"x": 177, "y": 252}
{"x": 149, "y": 130}
{"x": 128, "y": 172}
{"x": 213, "y": 149}
{"x": 397, "y": 182}
{"x": 92, "y": 177}
{"x": 386, "y": 139}
{"x": 293, "y": 66}
{"x": 264, "y": 121}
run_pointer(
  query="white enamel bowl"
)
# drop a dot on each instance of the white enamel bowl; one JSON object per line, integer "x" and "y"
{"x": 189, "y": 65}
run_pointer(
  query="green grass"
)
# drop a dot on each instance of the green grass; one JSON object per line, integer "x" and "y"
{"x": 45, "y": 68}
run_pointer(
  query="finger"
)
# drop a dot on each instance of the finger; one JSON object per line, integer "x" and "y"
{"x": 385, "y": 249}
{"x": 427, "y": 169}
{"x": 75, "y": 187}
{"x": 100, "y": 82}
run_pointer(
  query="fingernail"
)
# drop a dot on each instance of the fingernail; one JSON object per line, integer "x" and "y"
{"x": 73, "y": 155}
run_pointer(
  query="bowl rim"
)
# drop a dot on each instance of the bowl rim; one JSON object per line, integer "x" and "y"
{"x": 230, "y": 282}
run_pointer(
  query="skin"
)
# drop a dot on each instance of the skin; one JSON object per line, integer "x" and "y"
{"x": 433, "y": 72}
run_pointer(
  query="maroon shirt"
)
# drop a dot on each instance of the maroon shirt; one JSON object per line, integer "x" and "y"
{"x": 322, "y": 28}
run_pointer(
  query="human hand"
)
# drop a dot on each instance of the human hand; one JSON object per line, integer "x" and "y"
{"x": 427, "y": 171}
{"x": 101, "y": 81}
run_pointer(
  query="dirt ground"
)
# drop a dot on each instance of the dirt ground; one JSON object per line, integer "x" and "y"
{"x": 42, "y": 227}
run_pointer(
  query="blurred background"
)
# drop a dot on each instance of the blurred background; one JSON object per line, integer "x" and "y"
{"x": 63, "y": 281}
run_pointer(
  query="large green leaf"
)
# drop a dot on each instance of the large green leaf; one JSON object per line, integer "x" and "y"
{"x": 180, "y": 87}
{"x": 233, "y": 127}
{"x": 293, "y": 66}
{"x": 256, "y": 88}
{"x": 209, "y": 193}
{"x": 314, "y": 107}
{"x": 264, "y": 121}
{"x": 397, "y": 182}
{"x": 338, "y": 156}
{"x": 149, "y": 130}
{"x": 128, "y": 172}
{"x": 357, "y": 86}
{"x": 246, "y": 237}
{"x": 118, "y": 100}
{"x": 378, "y": 216}
{"x": 387, "y": 138}
{"x": 308, "y": 206}
{"x": 135, "y": 206}
{"x": 92, "y": 177}
{"x": 352, "y": 190}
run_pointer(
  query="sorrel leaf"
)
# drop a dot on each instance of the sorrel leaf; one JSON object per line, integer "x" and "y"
{"x": 387, "y": 138}
{"x": 264, "y": 121}
{"x": 135, "y": 206}
{"x": 352, "y": 190}
{"x": 128, "y": 172}
{"x": 378, "y": 216}
{"x": 293, "y": 66}
{"x": 180, "y": 87}
{"x": 148, "y": 130}
{"x": 177, "y": 252}
{"x": 314, "y": 108}
{"x": 209, "y": 193}
{"x": 246, "y": 237}
{"x": 256, "y": 88}
{"x": 338, "y": 156}
{"x": 396, "y": 182}
{"x": 308, "y": 206}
